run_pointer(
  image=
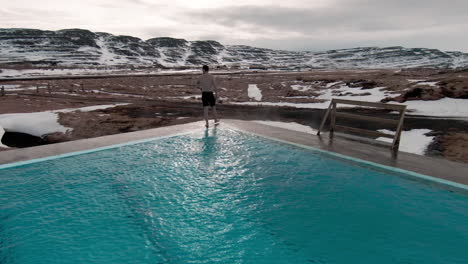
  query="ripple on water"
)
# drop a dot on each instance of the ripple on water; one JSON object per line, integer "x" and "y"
{"x": 223, "y": 197}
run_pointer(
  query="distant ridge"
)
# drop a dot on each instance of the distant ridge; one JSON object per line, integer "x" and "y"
{"x": 79, "y": 47}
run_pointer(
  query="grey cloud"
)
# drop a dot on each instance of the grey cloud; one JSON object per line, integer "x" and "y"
{"x": 34, "y": 13}
{"x": 412, "y": 23}
{"x": 30, "y": 17}
{"x": 362, "y": 15}
{"x": 448, "y": 43}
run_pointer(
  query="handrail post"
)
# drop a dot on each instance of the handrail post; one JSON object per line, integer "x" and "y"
{"x": 396, "y": 139}
{"x": 324, "y": 118}
{"x": 332, "y": 112}
{"x": 333, "y": 118}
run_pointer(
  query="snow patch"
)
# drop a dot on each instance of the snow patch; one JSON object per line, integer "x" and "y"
{"x": 288, "y": 125}
{"x": 16, "y": 87}
{"x": 332, "y": 84}
{"x": 432, "y": 84}
{"x": 36, "y": 124}
{"x": 187, "y": 97}
{"x": 10, "y": 86}
{"x": 445, "y": 107}
{"x": 412, "y": 141}
{"x": 88, "y": 108}
{"x": 41, "y": 123}
{"x": 2, "y": 132}
{"x": 345, "y": 92}
{"x": 254, "y": 92}
{"x": 118, "y": 94}
{"x": 301, "y": 88}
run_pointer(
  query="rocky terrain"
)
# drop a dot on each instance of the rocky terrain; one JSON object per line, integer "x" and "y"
{"x": 83, "y": 48}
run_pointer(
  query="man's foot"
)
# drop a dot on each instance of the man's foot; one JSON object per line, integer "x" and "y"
{"x": 216, "y": 121}
{"x": 206, "y": 125}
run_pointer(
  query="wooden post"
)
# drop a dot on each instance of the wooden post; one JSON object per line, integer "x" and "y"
{"x": 48, "y": 88}
{"x": 332, "y": 111}
{"x": 37, "y": 88}
{"x": 333, "y": 118}
{"x": 396, "y": 139}
{"x": 82, "y": 88}
{"x": 3, "y": 91}
{"x": 324, "y": 119}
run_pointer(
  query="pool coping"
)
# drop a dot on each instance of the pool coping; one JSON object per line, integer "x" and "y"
{"x": 18, "y": 157}
{"x": 437, "y": 170}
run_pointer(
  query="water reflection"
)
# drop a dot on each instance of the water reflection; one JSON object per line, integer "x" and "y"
{"x": 209, "y": 141}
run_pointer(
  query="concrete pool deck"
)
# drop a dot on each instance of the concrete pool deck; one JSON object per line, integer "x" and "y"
{"x": 434, "y": 167}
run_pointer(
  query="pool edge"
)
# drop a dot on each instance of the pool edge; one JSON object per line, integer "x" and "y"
{"x": 189, "y": 128}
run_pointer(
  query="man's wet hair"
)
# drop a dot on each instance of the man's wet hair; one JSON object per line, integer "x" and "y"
{"x": 205, "y": 68}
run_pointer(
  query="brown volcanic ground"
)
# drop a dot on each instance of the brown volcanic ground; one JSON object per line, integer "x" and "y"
{"x": 167, "y": 100}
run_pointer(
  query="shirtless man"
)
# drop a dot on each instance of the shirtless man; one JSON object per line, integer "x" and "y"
{"x": 207, "y": 85}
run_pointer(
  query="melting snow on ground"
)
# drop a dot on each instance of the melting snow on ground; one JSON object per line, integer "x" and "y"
{"x": 414, "y": 80}
{"x": 16, "y": 87}
{"x": 36, "y": 124}
{"x": 433, "y": 84}
{"x": 412, "y": 141}
{"x": 445, "y": 107}
{"x": 2, "y": 131}
{"x": 346, "y": 92}
{"x": 369, "y": 95}
{"x": 118, "y": 94}
{"x": 332, "y": 84}
{"x": 88, "y": 108}
{"x": 254, "y": 92}
{"x": 288, "y": 125}
{"x": 300, "y": 87}
{"x": 187, "y": 97}
{"x": 41, "y": 123}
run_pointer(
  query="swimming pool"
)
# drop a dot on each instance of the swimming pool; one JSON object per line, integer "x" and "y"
{"x": 223, "y": 196}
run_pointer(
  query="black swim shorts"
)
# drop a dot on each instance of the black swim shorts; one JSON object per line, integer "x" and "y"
{"x": 208, "y": 99}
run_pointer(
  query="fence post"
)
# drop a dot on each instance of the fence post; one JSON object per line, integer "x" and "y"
{"x": 396, "y": 139}
{"x": 3, "y": 91}
{"x": 37, "y": 88}
{"x": 333, "y": 118}
{"x": 324, "y": 118}
{"x": 332, "y": 110}
{"x": 49, "y": 89}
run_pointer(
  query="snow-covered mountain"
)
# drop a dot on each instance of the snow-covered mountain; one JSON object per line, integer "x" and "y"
{"x": 78, "y": 47}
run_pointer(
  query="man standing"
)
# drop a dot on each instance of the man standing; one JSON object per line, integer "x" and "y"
{"x": 207, "y": 85}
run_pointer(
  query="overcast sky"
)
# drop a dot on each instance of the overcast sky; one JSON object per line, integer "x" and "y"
{"x": 279, "y": 24}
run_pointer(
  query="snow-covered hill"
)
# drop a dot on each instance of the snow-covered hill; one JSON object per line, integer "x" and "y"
{"x": 78, "y": 47}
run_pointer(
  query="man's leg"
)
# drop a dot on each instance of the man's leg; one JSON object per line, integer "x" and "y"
{"x": 205, "y": 115}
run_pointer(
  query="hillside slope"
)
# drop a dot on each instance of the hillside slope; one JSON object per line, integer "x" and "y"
{"x": 78, "y": 47}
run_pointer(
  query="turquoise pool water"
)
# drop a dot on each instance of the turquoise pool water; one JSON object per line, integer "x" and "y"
{"x": 223, "y": 197}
